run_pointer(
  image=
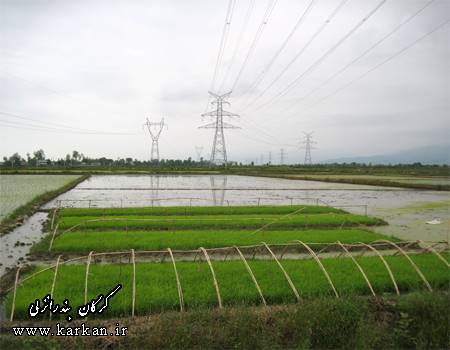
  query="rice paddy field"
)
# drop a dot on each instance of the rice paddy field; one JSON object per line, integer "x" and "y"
{"x": 84, "y": 230}
{"x": 193, "y": 278}
{"x": 156, "y": 287}
{"x": 18, "y": 190}
{"x": 234, "y": 258}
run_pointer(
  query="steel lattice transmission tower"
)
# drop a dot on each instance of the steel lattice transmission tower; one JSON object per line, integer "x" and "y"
{"x": 308, "y": 146}
{"x": 198, "y": 151}
{"x": 219, "y": 151}
{"x": 155, "y": 129}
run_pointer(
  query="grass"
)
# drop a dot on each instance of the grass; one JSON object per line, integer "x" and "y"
{"x": 416, "y": 320}
{"x": 190, "y": 211}
{"x": 78, "y": 242}
{"x": 250, "y": 221}
{"x": 156, "y": 289}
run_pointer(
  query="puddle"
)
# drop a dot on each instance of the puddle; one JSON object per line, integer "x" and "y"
{"x": 14, "y": 246}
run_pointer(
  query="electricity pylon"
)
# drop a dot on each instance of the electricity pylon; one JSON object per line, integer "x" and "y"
{"x": 308, "y": 146}
{"x": 155, "y": 129}
{"x": 282, "y": 155}
{"x": 199, "y": 150}
{"x": 219, "y": 151}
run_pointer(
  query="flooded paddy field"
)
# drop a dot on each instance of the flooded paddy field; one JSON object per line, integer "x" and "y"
{"x": 144, "y": 190}
{"x": 15, "y": 245}
{"x": 406, "y": 210}
{"x": 17, "y": 190}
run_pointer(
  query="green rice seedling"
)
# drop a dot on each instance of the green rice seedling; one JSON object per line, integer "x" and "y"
{"x": 156, "y": 286}
{"x": 178, "y": 211}
{"x": 251, "y": 221}
{"x": 78, "y": 242}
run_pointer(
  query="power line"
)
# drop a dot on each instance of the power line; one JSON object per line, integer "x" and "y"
{"x": 238, "y": 43}
{"x": 388, "y": 59}
{"x": 297, "y": 25}
{"x": 253, "y": 138}
{"x": 56, "y": 126}
{"x": 258, "y": 35}
{"x": 324, "y": 56}
{"x": 300, "y": 52}
{"x": 223, "y": 41}
{"x": 363, "y": 54}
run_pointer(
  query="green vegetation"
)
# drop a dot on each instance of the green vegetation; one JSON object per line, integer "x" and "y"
{"x": 251, "y": 221}
{"x": 31, "y": 204}
{"x": 240, "y": 210}
{"x": 79, "y": 242}
{"x": 156, "y": 288}
{"x": 412, "y": 321}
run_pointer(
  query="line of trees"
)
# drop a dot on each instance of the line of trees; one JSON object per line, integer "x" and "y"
{"x": 78, "y": 159}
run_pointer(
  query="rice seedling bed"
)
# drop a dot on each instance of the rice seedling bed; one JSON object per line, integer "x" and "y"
{"x": 81, "y": 241}
{"x": 250, "y": 221}
{"x": 233, "y": 210}
{"x": 156, "y": 288}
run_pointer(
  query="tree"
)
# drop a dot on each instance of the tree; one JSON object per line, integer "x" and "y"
{"x": 39, "y": 154}
{"x": 15, "y": 159}
{"x": 75, "y": 155}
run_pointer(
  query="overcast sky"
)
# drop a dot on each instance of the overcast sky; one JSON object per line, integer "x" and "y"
{"x": 105, "y": 66}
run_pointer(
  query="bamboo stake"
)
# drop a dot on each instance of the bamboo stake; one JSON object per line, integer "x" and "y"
{"x": 291, "y": 284}
{"x": 359, "y": 267}
{"x": 53, "y": 218}
{"x": 53, "y": 237}
{"x": 54, "y": 281}
{"x": 14, "y": 294}
{"x": 216, "y": 285}
{"x": 327, "y": 276}
{"x": 247, "y": 266}
{"x": 180, "y": 290}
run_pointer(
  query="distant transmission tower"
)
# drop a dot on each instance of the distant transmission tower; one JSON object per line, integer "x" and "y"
{"x": 270, "y": 158}
{"x": 155, "y": 129}
{"x": 282, "y": 155}
{"x": 199, "y": 150}
{"x": 219, "y": 152}
{"x": 308, "y": 146}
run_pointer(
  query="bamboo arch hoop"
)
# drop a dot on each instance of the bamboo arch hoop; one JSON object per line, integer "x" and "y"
{"x": 54, "y": 281}
{"x": 180, "y": 290}
{"x": 14, "y": 294}
{"x": 286, "y": 275}
{"x": 88, "y": 263}
{"x": 216, "y": 285}
{"x": 370, "y": 246}
{"x": 358, "y": 266}
{"x": 413, "y": 264}
{"x": 391, "y": 275}
{"x": 133, "y": 294}
{"x": 250, "y": 272}
{"x": 316, "y": 258}
{"x": 435, "y": 252}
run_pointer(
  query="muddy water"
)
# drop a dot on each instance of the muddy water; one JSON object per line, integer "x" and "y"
{"x": 15, "y": 245}
{"x": 388, "y": 203}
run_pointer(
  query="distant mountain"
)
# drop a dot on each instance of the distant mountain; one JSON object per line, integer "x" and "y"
{"x": 426, "y": 155}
